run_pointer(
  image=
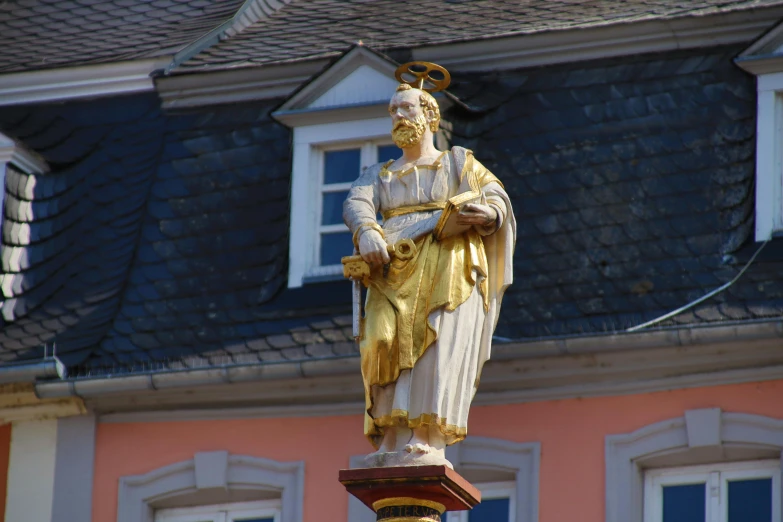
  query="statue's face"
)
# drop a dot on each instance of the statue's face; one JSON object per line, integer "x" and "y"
{"x": 409, "y": 123}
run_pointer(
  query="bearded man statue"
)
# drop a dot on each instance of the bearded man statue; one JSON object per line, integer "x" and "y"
{"x": 429, "y": 319}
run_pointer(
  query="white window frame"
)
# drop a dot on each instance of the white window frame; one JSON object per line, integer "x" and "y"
{"x": 769, "y": 168}
{"x": 491, "y": 491}
{"x": 233, "y": 512}
{"x": 310, "y": 143}
{"x": 716, "y": 478}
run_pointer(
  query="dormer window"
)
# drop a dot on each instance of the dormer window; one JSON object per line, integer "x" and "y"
{"x": 340, "y": 126}
{"x": 340, "y": 165}
{"x": 765, "y": 60}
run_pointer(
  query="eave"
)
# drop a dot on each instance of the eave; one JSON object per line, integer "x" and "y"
{"x": 79, "y": 82}
{"x": 584, "y": 366}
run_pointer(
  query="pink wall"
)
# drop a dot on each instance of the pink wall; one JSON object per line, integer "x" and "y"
{"x": 571, "y": 433}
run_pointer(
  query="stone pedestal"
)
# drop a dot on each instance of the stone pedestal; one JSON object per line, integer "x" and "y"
{"x": 410, "y": 493}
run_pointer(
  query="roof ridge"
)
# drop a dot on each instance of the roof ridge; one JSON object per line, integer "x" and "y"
{"x": 253, "y": 11}
{"x": 248, "y": 14}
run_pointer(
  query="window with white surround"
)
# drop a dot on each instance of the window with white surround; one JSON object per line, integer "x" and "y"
{"x": 706, "y": 466}
{"x": 340, "y": 124}
{"x": 338, "y": 165}
{"x": 215, "y": 486}
{"x": 262, "y": 511}
{"x": 726, "y": 492}
{"x": 765, "y": 60}
{"x": 498, "y": 504}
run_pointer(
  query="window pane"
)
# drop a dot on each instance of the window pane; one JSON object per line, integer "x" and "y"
{"x": 750, "y": 500}
{"x": 684, "y": 503}
{"x": 387, "y": 152}
{"x": 332, "y": 210}
{"x": 335, "y": 246}
{"x": 495, "y": 510}
{"x": 341, "y": 166}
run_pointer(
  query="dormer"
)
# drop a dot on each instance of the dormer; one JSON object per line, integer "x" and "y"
{"x": 340, "y": 126}
{"x": 764, "y": 59}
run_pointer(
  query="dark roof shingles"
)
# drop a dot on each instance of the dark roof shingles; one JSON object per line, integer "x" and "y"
{"x": 631, "y": 180}
{"x": 46, "y": 34}
{"x": 307, "y": 29}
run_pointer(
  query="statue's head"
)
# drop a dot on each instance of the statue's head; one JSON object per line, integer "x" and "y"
{"x": 415, "y": 116}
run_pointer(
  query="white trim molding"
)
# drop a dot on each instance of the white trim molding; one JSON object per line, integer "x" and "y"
{"x": 17, "y": 154}
{"x": 79, "y": 82}
{"x": 234, "y": 85}
{"x": 689, "y": 437}
{"x": 765, "y": 60}
{"x": 344, "y": 107}
{"x": 309, "y": 142}
{"x": 485, "y": 455}
{"x": 50, "y": 471}
{"x": 138, "y": 494}
{"x": 230, "y": 512}
{"x": 715, "y": 480}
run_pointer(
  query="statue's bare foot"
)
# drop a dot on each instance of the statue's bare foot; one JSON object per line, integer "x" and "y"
{"x": 418, "y": 448}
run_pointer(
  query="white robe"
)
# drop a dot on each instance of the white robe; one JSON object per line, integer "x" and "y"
{"x": 445, "y": 378}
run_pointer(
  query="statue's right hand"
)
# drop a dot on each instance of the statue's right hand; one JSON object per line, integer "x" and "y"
{"x": 372, "y": 247}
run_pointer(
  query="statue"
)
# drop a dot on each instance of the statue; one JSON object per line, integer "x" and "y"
{"x": 433, "y": 299}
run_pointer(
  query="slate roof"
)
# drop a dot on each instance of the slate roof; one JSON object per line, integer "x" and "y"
{"x": 44, "y": 34}
{"x": 310, "y": 29}
{"x": 160, "y": 239}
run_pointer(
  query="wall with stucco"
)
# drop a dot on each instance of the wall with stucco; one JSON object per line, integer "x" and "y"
{"x": 571, "y": 433}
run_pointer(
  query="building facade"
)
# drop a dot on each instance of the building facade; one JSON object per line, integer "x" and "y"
{"x": 176, "y": 332}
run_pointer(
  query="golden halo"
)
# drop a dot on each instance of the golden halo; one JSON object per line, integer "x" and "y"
{"x": 420, "y": 72}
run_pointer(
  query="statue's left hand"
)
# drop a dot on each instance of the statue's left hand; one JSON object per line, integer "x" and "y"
{"x": 477, "y": 214}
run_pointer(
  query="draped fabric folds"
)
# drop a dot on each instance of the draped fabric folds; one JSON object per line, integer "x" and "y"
{"x": 412, "y": 304}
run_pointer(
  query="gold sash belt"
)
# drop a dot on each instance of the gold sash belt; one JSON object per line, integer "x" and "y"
{"x": 401, "y": 211}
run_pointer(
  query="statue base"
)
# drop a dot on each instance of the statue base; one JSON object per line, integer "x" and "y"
{"x": 410, "y": 493}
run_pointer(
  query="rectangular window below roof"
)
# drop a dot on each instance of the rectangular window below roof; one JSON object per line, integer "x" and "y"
{"x": 340, "y": 167}
{"x": 727, "y": 492}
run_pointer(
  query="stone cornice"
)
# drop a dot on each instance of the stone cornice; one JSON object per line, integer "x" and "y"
{"x": 517, "y": 372}
{"x": 18, "y": 402}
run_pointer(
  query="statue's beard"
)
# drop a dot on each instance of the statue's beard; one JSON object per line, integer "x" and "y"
{"x": 407, "y": 133}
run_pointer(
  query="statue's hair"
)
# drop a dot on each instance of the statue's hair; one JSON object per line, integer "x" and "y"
{"x": 428, "y": 102}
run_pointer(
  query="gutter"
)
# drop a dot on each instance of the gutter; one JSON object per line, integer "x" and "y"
{"x": 48, "y": 368}
{"x": 90, "y": 387}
